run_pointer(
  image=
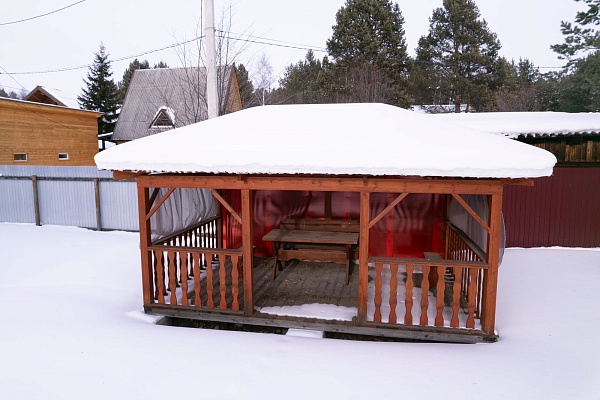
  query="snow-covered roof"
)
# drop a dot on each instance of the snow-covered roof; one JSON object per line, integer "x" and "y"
{"x": 515, "y": 124}
{"x": 364, "y": 139}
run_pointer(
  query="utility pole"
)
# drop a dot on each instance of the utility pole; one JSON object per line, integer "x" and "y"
{"x": 212, "y": 96}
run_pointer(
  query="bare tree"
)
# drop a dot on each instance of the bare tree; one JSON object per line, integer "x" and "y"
{"x": 263, "y": 78}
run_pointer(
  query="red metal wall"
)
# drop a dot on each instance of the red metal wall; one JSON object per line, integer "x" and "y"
{"x": 411, "y": 228}
{"x": 561, "y": 210}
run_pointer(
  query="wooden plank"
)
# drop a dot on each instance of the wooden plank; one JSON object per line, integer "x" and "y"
{"x": 145, "y": 239}
{"x": 425, "y": 333}
{"x": 490, "y": 286}
{"x": 422, "y": 261}
{"x": 248, "y": 256}
{"x": 335, "y": 256}
{"x": 317, "y": 237}
{"x": 334, "y": 184}
{"x": 388, "y": 209}
{"x": 210, "y": 303}
{"x": 441, "y": 287}
{"x": 472, "y": 212}
{"x": 363, "y": 255}
{"x": 126, "y": 175}
{"x": 223, "y": 282}
{"x": 225, "y": 204}
{"x": 329, "y": 225}
{"x": 424, "y": 295}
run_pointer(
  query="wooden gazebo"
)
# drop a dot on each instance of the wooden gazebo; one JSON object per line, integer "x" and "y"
{"x": 370, "y": 159}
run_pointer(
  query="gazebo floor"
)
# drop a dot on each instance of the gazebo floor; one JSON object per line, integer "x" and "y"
{"x": 302, "y": 282}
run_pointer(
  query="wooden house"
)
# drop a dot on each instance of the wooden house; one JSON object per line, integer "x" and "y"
{"x": 409, "y": 206}
{"x": 161, "y": 99}
{"x": 34, "y": 133}
{"x": 561, "y": 210}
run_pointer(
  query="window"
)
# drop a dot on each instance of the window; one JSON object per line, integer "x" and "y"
{"x": 164, "y": 118}
{"x": 63, "y": 156}
{"x": 20, "y": 156}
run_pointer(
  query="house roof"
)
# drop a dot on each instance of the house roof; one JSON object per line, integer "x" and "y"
{"x": 364, "y": 139}
{"x": 174, "y": 89}
{"x": 536, "y": 124}
{"x": 44, "y": 95}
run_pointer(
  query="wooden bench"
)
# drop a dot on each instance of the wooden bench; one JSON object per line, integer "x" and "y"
{"x": 314, "y": 240}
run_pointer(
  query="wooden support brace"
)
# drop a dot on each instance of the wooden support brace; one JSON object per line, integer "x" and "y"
{"x": 225, "y": 204}
{"x": 472, "y": 212}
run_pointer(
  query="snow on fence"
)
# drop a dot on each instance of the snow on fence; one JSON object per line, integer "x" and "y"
{"x": 71, "y": 196}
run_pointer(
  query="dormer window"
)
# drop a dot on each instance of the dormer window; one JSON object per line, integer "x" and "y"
{"x": 164, "y": 118}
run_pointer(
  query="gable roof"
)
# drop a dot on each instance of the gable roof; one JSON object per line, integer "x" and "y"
{"x": 536, "y": 124}
{"x": 43, "y": 95}
{"x": 151, "y": 90}
{"x": 331, "y": 139}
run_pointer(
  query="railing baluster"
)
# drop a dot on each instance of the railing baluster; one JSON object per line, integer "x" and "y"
{"x": 439, "y": 304}
{"x": 172, "y": 257}
{"x": 378, "y": 285}
{"x": 408, "y": 301}
{"x": 425, "y": 295}
{"x": 393, "y": 293}
{"x": 160, "y": 278}
{"x": 197, "y": 258}
{"x": 235, "y": 260}
{"x": 209, "y": 280}
{"x": 458, "y": 271}
{"x": 223, "y": 281}
{"x": 184, "y": 279}
{"x": 471, "y": 288}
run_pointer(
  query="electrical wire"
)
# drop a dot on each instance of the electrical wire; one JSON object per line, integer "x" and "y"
{"x": 42, "y": 15}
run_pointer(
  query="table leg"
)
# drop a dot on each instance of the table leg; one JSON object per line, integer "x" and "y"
{"x": 276, "y": 261}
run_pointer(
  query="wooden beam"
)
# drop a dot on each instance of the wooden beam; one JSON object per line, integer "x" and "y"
{"x": 363, "y": 256}
{"x": 145, "y": 242}
{"x": 324, "y": 184}
{"x": 226, "y": 205}
{"x": 247, "y": 249}
{"x": 388, "y": 209}
{"x": 518, "y": 182}
{"x": 160, "y": 202}
{"x": 126, "y": 175}
{"x": 475, "y": 216}
{"x": 155, "y": 193}
{"x": 490, "y": 284}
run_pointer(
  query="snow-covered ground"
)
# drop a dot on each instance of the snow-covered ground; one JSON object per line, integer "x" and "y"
{"x": 71, "y": 328}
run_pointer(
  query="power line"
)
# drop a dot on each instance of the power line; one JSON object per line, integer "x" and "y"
{"x": 275, "y": 41}
{"x": 42, "y": 15}
{"x": 12, "y": 77}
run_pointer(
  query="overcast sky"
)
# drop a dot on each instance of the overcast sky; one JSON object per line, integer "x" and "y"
{"x": 69, "y": 38}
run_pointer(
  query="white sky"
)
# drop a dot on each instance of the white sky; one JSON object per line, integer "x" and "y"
{"x": 526, "y": 28}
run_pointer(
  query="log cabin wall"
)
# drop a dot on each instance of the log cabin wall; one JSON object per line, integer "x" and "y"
{"x": 571, "y": 150}
{"x": 44, "y": 131}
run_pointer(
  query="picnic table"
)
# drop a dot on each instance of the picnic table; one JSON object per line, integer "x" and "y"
{"x": 293, "y": 244}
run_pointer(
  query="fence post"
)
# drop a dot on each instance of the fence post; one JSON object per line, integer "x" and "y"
{"x": 97, "y": 195}
{"x": 36, "y": 202}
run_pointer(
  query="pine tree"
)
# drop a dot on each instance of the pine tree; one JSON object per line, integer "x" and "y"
{"x": 100, "y": 93}
{"x": 460, "y": 54}
{"x": 123, "y": 85}
{"x": 368, "y": 49}
{"x": 246, "y": 87}
{"x": 306, "y": 82}
{"x": 579, "y": 36}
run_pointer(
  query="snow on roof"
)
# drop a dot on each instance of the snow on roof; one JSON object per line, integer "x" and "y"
{"x": 515, "y": 124}
{"x": 363, "y": 139}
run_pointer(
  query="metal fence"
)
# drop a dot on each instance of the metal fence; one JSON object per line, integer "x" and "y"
{"x": 72, "y": 196}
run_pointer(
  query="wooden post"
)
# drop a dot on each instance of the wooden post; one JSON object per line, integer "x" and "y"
{"x": 145, "y": 239}
{"x": 247, "y": 251}
{"x": 363, "y": 257}
{"x": 97, "y": 196}
{"x": 36, "y": 201}
{"x": 490, "y": 285}
{"x": 220, "y": 224}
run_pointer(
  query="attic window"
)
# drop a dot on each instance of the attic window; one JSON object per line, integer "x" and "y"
{"x": 20, "y": 157}
{"x": 164, "y": 118}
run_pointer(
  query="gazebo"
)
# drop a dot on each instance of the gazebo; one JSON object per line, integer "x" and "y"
{"x": 420, "y": 198}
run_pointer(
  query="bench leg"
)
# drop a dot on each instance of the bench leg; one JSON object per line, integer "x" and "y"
{"x": 347, "y": 265}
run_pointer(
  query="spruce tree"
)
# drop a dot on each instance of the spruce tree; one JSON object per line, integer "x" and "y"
{"x": 123, "y": 85}
{"x": 100, "y": 93}
{"x": 246, "y": 87}
{"x": 368, "y": 49}
{"x": 460, "y": 53}
{"x": 580, "y": 36}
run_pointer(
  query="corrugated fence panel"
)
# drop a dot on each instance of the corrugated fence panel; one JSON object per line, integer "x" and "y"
{"x": 119, "y": 205}
{"x": 16, "y": 201}
{"x": 67, "y": 196}
{"x": 561, "y": 210}
{"x": 67, "y": 203}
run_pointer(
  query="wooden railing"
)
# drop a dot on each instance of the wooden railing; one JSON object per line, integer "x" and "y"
{"x": 210, "y": 279}
{"x": 440, "y": 293}
{"x": 203, "y": 234}
{"x": 189, "y": 270}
